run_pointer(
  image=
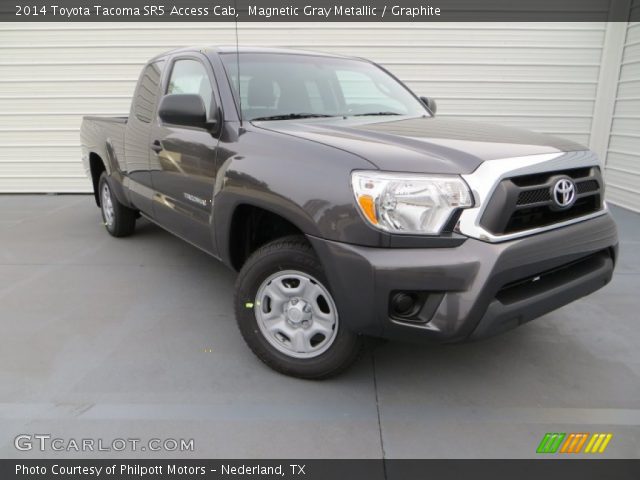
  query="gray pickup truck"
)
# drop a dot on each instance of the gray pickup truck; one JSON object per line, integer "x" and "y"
{"x": 346, "y": 206}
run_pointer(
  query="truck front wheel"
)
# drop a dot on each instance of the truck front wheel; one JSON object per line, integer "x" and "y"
{"x": 287, "y": 315}
{"x": 119, "y": 220}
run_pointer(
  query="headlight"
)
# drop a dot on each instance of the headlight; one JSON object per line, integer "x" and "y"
{"x": 409, "y": 203}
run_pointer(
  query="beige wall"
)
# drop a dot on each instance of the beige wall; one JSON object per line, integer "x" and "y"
{"x": 623, "y": 155}
{"x": 538, "y": 76}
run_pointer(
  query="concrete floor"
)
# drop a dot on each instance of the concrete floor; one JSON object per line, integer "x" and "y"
{"x": 135, "y": 338}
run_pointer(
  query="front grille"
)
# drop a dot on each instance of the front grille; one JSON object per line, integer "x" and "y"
{"x": 588, "y": 186}
{"x": 534, "y": 196}
{"x": 534, "y": 217}
{"x": 541, "y": 178}
{"x": 526, "y": 202}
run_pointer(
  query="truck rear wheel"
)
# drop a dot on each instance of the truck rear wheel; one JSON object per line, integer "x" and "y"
{"x": 119, "y": 220}
{"x": 287, "y": 315}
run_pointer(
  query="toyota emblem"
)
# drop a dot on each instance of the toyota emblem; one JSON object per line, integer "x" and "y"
{"x": 564, "y": 193}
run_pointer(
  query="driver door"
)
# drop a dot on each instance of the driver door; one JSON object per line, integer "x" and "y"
{"x": 183, "y": 159}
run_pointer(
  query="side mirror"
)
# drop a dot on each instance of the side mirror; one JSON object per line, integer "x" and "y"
{"x": 430, "y": 103}
{"x": 183, "y": 109}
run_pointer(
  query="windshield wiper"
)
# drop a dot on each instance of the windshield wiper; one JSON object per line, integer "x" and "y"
{"x": 375, "y": 113}
{"x": 291, "y": 116}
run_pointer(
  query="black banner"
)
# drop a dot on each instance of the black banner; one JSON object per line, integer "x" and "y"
{"x": 534, "y": 469}
{"x": 318, "y": 10}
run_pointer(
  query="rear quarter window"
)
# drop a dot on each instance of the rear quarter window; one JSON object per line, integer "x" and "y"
{"x": 147, "y": 92}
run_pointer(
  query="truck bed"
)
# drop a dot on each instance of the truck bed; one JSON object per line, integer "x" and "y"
{"x": 105, "y": 137}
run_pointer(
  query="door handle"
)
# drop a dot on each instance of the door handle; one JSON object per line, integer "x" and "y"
{"x": 156, "y": 146}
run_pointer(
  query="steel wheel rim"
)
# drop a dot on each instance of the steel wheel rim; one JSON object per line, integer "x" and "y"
{"x": 107, "y": 206}
{"x": 296, "y": 314}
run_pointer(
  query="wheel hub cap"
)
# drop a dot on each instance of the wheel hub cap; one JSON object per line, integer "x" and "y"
{"x": 107, "y": 206}
{"x": 296, "y": 314}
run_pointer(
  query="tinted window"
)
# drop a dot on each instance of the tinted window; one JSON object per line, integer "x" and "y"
{"x": 147, "y": 93}
{"x": 190, "y": 76}
{"x": 280, "y": 84}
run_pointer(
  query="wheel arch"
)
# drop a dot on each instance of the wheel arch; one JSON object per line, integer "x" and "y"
{"x": 96, "y": 167}
{"x": 251, "y": 226}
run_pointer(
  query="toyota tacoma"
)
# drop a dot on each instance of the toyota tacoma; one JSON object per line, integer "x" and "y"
{"x": 347, "y": 207}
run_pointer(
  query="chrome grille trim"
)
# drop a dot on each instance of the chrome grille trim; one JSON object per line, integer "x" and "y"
{"x": 484, "y": 180}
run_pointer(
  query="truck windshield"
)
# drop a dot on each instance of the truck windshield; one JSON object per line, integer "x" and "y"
{"x": 276, "y": 86}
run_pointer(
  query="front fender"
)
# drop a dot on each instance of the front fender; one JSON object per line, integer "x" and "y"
{"x": 304, "y": 182}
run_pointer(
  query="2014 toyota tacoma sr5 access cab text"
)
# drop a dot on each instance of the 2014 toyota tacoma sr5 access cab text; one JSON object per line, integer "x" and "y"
{"x": 347, "y": 207}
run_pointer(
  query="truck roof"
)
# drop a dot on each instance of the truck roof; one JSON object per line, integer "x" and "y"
{"x": 245, "y": 49}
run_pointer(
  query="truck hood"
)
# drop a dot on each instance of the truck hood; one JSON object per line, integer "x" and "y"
{"x": 423, "y": 144}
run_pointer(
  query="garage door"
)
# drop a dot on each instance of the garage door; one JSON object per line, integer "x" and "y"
{"x": 623, "y": 156}
{"x": 538, "y": 76}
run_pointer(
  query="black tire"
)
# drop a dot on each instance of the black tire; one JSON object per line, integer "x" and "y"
{"x": 290, "y": 254}
{"x": 119, "y": 220}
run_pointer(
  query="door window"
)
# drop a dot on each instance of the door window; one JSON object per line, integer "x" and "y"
{"x": 190, "y": 76}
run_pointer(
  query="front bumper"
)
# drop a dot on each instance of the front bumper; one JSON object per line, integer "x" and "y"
{"x": 477, "y": 289}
